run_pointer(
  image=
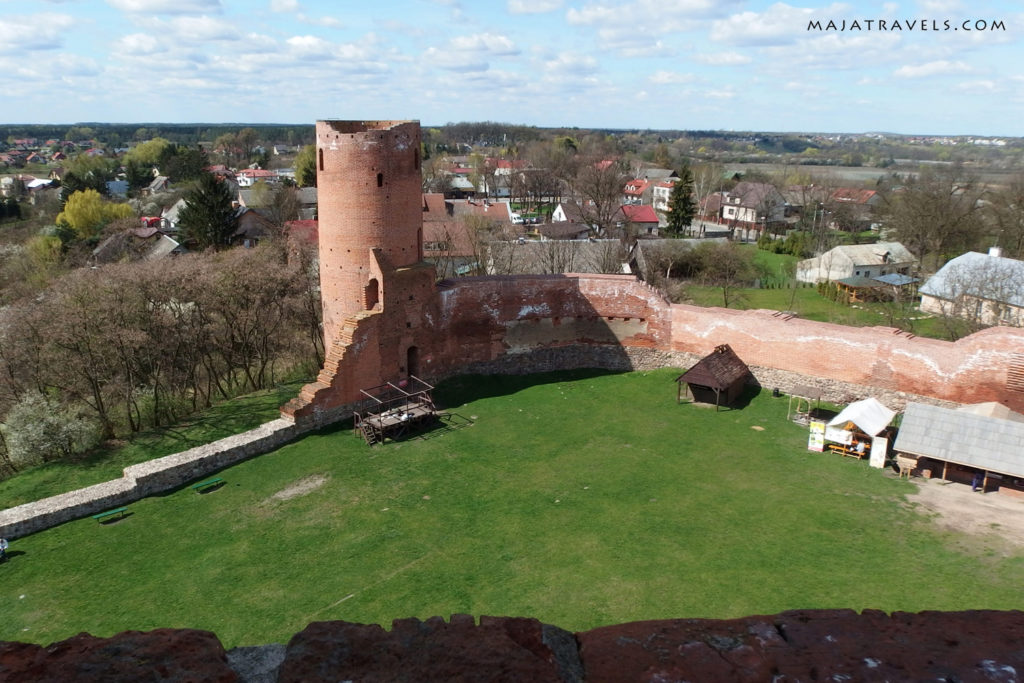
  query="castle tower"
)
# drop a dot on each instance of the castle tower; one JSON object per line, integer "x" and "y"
{"x": 370, "y": 212}
{"x": 376, "y": 290}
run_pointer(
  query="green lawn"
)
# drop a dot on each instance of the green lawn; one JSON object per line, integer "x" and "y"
{"x": 103, "y": 464}
{"x": 807, "y": 303}
{"x": 581, "y": 499}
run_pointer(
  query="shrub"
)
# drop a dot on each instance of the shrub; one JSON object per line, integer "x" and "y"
{"x": 39, "y": 429}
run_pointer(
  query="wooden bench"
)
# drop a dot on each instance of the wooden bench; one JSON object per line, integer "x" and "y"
{"x": 110, "y": 515}
{"x": 206, "y": 485}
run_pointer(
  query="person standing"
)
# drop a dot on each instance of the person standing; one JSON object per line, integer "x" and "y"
{"x": 978, "y": 482}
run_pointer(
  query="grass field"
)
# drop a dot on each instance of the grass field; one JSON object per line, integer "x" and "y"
{"x": 580, "y": 498}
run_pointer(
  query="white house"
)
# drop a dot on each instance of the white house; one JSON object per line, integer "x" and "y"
{"x": 660, "y": 195}
{"x": 856, "y": 260}
{"x": 753, "y": 204}
{"x": 986, "y": 289}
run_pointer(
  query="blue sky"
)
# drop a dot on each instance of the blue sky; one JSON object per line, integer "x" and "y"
{"x": 687, "y": 64}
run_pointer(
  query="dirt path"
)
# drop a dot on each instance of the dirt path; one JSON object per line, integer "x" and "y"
{"x": 958, "y": 508}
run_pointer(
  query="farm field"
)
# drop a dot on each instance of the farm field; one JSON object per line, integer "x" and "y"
{"x": 579, "y": 498}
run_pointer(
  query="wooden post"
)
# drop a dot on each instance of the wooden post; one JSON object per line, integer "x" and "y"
{"x": 944, "y": 466}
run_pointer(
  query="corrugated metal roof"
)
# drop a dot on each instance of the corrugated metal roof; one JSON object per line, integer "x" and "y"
{"x": 961, "y": 437}
{"x": 896, "y": 279}
{"x": 984, "y": 276}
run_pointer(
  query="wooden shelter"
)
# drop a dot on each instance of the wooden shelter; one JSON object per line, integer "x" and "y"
{"x": 395, "y": 409}
{"x": 805, "y": 396}
{"x": 717, "y": 378}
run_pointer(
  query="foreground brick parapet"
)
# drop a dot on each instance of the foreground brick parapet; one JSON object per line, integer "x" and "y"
{"x": 805, "y": 645}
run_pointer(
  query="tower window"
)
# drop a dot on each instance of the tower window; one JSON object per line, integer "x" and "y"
{"x": 320, "y": 153}
{"x": 380, "y": 180}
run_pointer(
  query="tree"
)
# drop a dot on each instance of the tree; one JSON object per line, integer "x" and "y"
{"x": 1006, "y": 208}
{"x": 86, "y": 212}
{"x": 938, "y": 215}
{"x": 598, "y": 186}
{"x": 147, "y": 153}
{"x": 246, "y": 140}
{"x": 682, "y": 207}
{"x": 182, "y": 163}
{"x": 726, "y": 265}
{"x": 208, "y": 217}
{"x": 305, "y": 166}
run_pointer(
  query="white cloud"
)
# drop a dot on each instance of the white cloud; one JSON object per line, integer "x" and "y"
{"x": 780, "y": 24}
{"x": 167, "y": 6}
{"x": 454, "y": 61}
{"x": 328, "y": 22}
{"x": 570, "y": 64}
{"x": 188, "y": 30}
{"x": 533, "y": 6}
{"x": 284, "y": 5}
{"x": 940, "y": 6}
{"x": 938, "y": 68}
{"x": 723, "y": 59}
{"x": 30, "y": 33}
{"x": 982, "y": 87}
{"x": 647, "y": 28}
{"x": 137, "y": 44}
{"x": 671, "y": 78}
{"x": 833, "y": 52}
{"x": 489, "y": 43}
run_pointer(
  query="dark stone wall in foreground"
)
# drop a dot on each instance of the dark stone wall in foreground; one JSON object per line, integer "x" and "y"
{"x": 808, "y": 645}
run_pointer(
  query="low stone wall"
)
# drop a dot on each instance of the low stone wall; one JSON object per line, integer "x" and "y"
{"x": 804, "y": 645}
{"x": 172, "y": 471}
{"x": 145, "y": 479}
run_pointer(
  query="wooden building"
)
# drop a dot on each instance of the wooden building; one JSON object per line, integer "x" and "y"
{"x": 718, "y": 378}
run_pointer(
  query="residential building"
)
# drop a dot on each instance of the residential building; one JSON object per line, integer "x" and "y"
{"x": 986, "y": 289}
{"x": 753, "y": 205}
{"x": 857, "y": 260}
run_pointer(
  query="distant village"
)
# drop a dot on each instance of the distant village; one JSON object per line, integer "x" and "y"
{"x": 567, "y": 204}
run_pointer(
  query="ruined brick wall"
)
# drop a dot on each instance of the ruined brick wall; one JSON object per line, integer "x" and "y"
{"x": 804, "y": 645}
{"x": 971, "y": 370}
{"x": 384, "y": 318}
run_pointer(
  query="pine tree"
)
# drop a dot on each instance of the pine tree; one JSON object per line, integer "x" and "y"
{"x": 208, "y": 217}
{"x": 682, "y": 207}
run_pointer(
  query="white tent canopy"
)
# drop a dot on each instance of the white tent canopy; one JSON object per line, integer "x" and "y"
{"x": 869, "y": 415}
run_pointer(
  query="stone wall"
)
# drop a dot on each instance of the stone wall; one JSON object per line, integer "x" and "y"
{"x": 805, "y": 645}
{"x": 145, "y": 479}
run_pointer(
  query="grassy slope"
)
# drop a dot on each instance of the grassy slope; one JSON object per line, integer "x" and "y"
{"x": 224, "y": 419}
{"x": 582, "y": 503}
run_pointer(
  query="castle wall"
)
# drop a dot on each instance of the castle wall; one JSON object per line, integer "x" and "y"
{"x": 971, "y": 370}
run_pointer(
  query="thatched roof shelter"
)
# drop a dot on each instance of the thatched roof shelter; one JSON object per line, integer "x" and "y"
{"x": 717, "y": 378}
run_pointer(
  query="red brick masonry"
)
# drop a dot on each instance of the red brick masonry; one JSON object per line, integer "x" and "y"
{"x": 823, "y": 645}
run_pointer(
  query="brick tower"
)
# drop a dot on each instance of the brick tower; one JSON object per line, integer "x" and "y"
{"x": 370, "y": 210}
{"x": 374, "y": 284}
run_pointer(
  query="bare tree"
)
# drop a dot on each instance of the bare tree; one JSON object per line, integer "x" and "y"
{"x": 598, "y": 190}
{"x": 937, "y": 216}
{"x": 1006, "y": 209}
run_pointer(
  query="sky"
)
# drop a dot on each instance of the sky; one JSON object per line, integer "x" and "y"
{"x": 933, "y": 67}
